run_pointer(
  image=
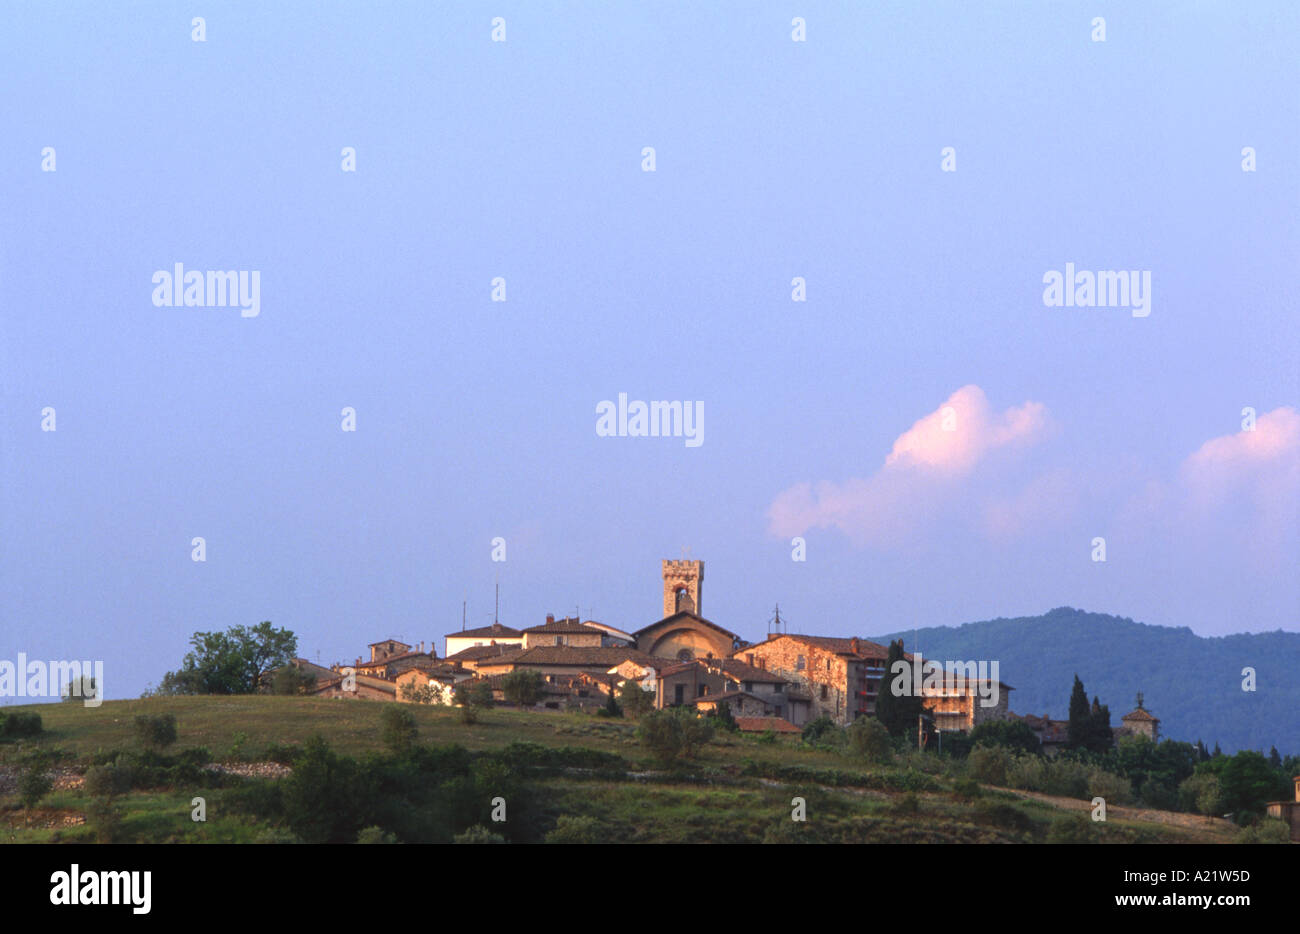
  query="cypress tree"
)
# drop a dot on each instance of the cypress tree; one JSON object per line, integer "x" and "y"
{"x": 897, "y": 712}
{"x": 1078, "y": 732}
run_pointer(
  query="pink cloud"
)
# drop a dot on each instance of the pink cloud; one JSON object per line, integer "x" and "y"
{"x": 921, "y": 475}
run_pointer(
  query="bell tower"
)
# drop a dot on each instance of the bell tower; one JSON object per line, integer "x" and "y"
{"x": 683, "y": 583}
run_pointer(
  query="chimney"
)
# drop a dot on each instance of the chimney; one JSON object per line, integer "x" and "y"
{"x": 550, "y": 618}
{"x": 854, "y": 644}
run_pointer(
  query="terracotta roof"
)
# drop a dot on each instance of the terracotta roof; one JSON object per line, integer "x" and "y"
{"x": 576, "y": 655}
{"x": 477, "y": 652}
{"x": 1140, "y": 714}
{"x": 392, "y": 658}
{"x": 743, "y": 671}
{"x": 841, "y": 646}
{"x": 496, "y": 630}
{"x": 730, "y": 695}
{"x": 386, "y": 641}
{"x": 565, "y": 625}
{"x": 694, "y": 616}
{"x": 763, "y": 724}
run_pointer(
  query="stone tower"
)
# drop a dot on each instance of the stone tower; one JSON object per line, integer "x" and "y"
{"x": 683, "y": 581}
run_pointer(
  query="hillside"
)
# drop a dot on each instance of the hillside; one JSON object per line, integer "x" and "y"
{"x": 554, "y": 767}
{"x": 1192, "y": 683}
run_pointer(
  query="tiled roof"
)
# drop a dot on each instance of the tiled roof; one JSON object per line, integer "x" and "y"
{"x": 565, "y": 625}
{"x": 694, "y": 616}
{"x": 478, "y": 652}
{"x": 392, "y": 658}
{"x": 841, "y": 646}
{"x": 763, "y": 724}
{"x": 743, "y": 671}
{"x": 729, "y": 695}
{"x": 386, "y": 641}
{"x": 1140, "y": 714}
{"x": 577, "y": 655}
{"x": 495, "y": 631}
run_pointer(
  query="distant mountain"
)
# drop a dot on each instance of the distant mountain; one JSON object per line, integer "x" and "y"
{"x": 1192, "y": 683}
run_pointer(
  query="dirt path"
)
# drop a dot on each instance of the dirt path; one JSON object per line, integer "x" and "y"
{"x": 1212, "y": 828}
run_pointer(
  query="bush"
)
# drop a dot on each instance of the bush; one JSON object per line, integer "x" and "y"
{"x": 523, "y": 687}
{"x": 635, "y": 699}
{"x": 1027, "y": 772}
{"x": 109, "y": 780}
{"x": 869, "y": 739}
{"x": 967, "y": 789}
{"x": 155, "y": 731}
{"x": 104, "y": 819}
{"x": 276, "y": 835}
{"x": 1005, "y": 816}
{"x": 375, "y": 835}
{"x": 576, "y": 830}
{"x": 766, "y": 738}
{"x": 291, "y": 680}
{"x": 18, "y": 724}
{"x": 611, "y": 708}
{"x": 988, "y": 764}
{"x": 478, "y": 834}
{"x": 34, "y": 784}
{"x": 1116, "y": 789}
{"x": 1200, "y": 794}
{"x": 398, "y": 729}
{"x": 1010, "y": 734}
{"x": 908, "y": 804}
{"x": 1074, "y": 828}
{"x": 673, "y": 734}
{"x": 823, "y": 729}
{"x": 1268, "y": 830}
{"x": 723, "y": 720}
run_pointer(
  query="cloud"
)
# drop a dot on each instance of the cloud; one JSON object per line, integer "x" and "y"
{"x": 922, "y": 475}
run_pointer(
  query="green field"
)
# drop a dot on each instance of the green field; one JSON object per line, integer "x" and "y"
{"x": 738, "y": 789}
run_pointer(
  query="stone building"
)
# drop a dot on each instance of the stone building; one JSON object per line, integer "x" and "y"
{"x": 570, "y": 632}
{"x": 686, "y": 636}
{"x": 1139, "y": 722}
{"x": 958, "y": 704}
{"x": 683, "y": 586}
{"x": 832, "y": 677}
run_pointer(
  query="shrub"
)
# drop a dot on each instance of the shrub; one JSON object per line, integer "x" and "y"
{"x": 988, "y": 764}
{"x": 869, "y": 739}
{"x": 1116, "y": 789}
{"x": 673, "y": 734}
{"x": 635, "y": 699}
{"x": 480, "y": 695}
{"x": 1073, "y": 828}
{"x": 523, "y": 687}
{"x": 276, "y": 835}
{"x": 398, "y": 729}
{"x": 155, "y": 731}
{"x": 723, "y": 720}
{"x": 237, "y": 745}
{"x": 104, "y": 820}
{"x": 1027, "y": 772}
{"x": 822, "y": 729}
{"x": 1200, "y": 794}
{"x": 611, "y": 708}
{"x": 1011, "y": 734}
{"x": 570, "y": 829}
{"x": 766, "y": 738}
{"x": 908, "y": 804}
{"x": 18, "y": 724}
{"x": 967, "y": 789}
{"x": 291, "y": 680}
{"x": 110, "y": 779}
{"x": 1267, "y": 830}
{"x": 1003, "y": 815}
{"x": 375, "y": 835}
{"x": 478, "y": 834}
{"x": 34, "y": 783}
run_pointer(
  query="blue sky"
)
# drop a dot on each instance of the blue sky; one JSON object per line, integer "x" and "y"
{"x": 476, "y": 419}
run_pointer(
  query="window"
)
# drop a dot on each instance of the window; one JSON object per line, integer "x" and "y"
{"x": 828, "y": 664}
{"x": 679, "y": 693}
{"x": 778, "y": 687}
{"x": 704, "y": 689}
{"x": 559, "y": 640}
{"x": 825, "y": 692}
{"x": 800, "y": 664}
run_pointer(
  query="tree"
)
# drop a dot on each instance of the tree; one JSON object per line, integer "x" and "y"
{"x": 1011, "y": 734}
{"x": 896, "y": 708}
{"x": 723, "y": 720}
{"x": 635, "y": 699}
{"x": 673, "y": 734}
{"x": 398, "y": 729}
{"x": 611, "y": 708}
{"x": 1079, "y": 731}
{"x": 1248, "y": 783}
{"x": 78, "y": 689}
{"x": 230, "y": 662}
{"x": 1101, "y": 738}
{"x": 523, "y": 687}
{"x": 292, "y": 680}
{"x": 869, "y": 738}
{"x": 480, "y": 695}
{"x": 34, "y": 783}
{"x": 431, "y": 693}
{"x": 156, "y": 731}
{"x": 823, "y": 729}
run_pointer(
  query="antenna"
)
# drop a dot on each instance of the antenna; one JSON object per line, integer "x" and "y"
{"x": 496, "y": 613}
{"x": 777, "y": 625}
{"x": 463, "y": 604}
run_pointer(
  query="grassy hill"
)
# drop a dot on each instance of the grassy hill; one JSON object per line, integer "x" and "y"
{"x": 1192, "y": 683}
{"x": 739, "y": 789}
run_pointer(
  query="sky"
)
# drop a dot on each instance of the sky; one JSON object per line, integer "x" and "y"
{"x": 948, "y": 446}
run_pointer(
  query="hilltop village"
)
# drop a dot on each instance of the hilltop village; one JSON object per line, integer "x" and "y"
{"x": 777, "y": 685}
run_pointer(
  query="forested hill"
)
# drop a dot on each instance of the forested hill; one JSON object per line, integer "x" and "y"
{"x": 1192, "y": 683}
